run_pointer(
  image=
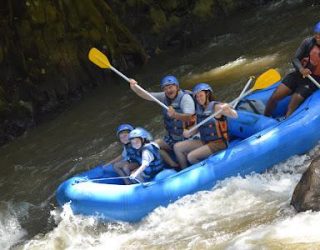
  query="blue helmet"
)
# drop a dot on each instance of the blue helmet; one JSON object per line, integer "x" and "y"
{"x": 124, "y": 127}
{"x": 201, "y": 87}
{"x": 317, "y": 28}
{"x": 139, "y": 133}
{"x": 169, "y": 80}
{"x": 147, "y": 133}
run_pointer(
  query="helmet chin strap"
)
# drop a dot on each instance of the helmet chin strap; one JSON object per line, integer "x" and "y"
{"x": 207, "y": 100}
{"x": 143, "y": 142}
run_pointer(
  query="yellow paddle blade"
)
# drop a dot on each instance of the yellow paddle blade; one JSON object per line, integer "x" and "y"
{"x": 99, "y": 59}
{"x": 266, "y": 79}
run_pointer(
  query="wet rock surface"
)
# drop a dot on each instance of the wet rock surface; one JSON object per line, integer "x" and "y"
{"x": 44, "y": 47}
{"x": 306, "y": 195}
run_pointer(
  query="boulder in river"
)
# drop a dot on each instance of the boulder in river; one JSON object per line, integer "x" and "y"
{"x": 306, "y": 195}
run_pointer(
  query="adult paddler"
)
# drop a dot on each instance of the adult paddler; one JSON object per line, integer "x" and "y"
{"x": 180, "y": 115}
{"x": 306, "y": 62}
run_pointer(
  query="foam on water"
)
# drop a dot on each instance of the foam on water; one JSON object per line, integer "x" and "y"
{"x": 299, "y": 231}
{"x": 241, "y": 67}
{"x": 239, "y": 213}
{"x": 11, "y": 232}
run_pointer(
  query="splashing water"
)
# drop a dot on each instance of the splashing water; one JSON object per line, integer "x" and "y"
{"x": 241, "y": 67}
{"x": 11, "y": 231}
{"x": 239, "y": 213}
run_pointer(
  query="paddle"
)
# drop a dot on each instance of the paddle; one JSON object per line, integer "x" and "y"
{"x": 244, "y": 90}
{"x": 114, "y": 178}
{"x": 314, "y": 81}
{"x": 102, "y": 61}
{"x": 265, "y": 80}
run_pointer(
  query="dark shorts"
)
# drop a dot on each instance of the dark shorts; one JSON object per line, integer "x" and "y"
{"x": 170, "y": 141}
{"x": 300, "y": 85}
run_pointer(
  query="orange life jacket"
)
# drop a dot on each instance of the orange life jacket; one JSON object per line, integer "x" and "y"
{"x": 312, "y": 62}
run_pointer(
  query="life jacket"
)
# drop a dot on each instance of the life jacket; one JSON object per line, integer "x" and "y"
{"x": 173, "y": 126}
{"x": 156, "y": 165}
{"x": 312, "y": 62}
{"x": 215, "y": 129}
{"x": 133, "y": 155}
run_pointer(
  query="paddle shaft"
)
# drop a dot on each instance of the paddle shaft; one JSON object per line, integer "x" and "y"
{"x": 114, "y": 178}
{"x": 244, "y": 90}
{"x": 270, "y": 76}
{"x": 138, "y": 86}
{"x": 314, "y": 81}
{"x": 218, "y": 112}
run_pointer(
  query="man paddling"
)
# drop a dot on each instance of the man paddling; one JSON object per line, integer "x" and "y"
{"x": 179, "y": 116}
{"x": 306, "y": 62}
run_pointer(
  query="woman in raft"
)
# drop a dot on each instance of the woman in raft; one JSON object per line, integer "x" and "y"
{"x": 213, "y": 134}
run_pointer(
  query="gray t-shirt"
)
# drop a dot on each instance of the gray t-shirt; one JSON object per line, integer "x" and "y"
{"x": 187, "y": 103}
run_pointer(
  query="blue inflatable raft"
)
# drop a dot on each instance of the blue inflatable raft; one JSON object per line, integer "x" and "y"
{"x": 258, "y": 143}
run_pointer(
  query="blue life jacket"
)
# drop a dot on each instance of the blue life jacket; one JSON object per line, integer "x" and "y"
{"x": 156, "y": 165}
{"x": 214, "y": 129}
{"x": 133, "y": 155}
{"x": 173, "y": 126}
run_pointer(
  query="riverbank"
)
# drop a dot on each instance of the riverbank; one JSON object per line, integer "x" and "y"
{"x": 43, "y": 52}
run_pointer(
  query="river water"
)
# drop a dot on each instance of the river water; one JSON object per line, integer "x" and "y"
{"x": 239, "y": 213}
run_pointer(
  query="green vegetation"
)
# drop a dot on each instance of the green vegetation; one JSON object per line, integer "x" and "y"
{"x": 44, "y": 46}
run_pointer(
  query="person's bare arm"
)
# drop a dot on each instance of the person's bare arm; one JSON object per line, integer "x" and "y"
{"x": 227, "y": 110}
{"x": 118, "y": 158}
{"x": 134, "y": 88}
{"x": 179, "y": 116}
{"x": 302, "y": 52}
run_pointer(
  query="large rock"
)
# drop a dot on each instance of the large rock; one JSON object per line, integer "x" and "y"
{"x": 43, "y": 56}
{"x": 306, "y": 195}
